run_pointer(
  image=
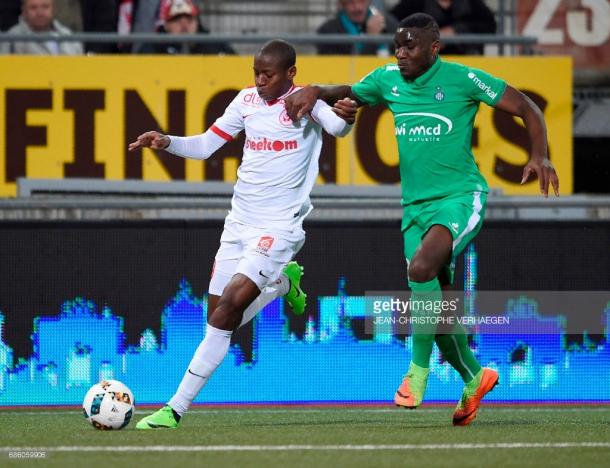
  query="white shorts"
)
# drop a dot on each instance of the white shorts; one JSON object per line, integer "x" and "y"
{"x": 257, "y": 253}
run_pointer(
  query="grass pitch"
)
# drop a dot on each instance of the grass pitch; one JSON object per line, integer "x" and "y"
{"x": 306, "y": 437}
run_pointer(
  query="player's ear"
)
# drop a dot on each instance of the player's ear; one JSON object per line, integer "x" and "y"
{"x": 291, "y": 72}
{"x": 435, "y": 47}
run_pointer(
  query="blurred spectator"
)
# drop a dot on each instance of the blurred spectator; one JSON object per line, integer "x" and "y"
{"x": 146, "y": 14}
{"x": 100, "y": 16}
{"x": 68, "y": 13}
{"x": 37, "y": 17}
{"x": 138, "y": 16}
{"x": 357, "y": 17}
{"x": 182, "y": 17}
{"x": 9, "y": 13}
{"x": 453, "y": 17}
{"x": 95, "y": 16}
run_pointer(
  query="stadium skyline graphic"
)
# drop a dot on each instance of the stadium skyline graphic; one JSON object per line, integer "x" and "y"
{"x": 331, "y": 362}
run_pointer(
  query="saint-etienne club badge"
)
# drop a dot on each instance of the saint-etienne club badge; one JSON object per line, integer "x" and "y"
{"x": 439, "y": 95}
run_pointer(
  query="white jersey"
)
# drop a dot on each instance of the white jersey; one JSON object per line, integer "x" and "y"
{"x": 280, "y": 158}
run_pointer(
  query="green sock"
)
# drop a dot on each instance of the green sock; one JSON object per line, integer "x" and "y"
{"x": 472, "y": 386}
{"x": 424, "y": 297}
{"x": 455, "y": 350}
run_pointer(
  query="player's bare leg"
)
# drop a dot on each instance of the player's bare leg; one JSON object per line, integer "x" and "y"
{"x": 241, "y": 300}
{"x": 433, "y": 254}
{"x": 224, "y": 315}
{"x": 237, "y": 296}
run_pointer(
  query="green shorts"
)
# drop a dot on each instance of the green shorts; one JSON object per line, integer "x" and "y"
{"x": 461, "y": 214}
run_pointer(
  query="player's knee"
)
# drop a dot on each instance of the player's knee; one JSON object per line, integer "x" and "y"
{"x": 421, "y": 271}
{"x": 227, "y": 314}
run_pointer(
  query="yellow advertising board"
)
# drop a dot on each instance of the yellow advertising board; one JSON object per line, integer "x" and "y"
{"x": 67, "y": 117}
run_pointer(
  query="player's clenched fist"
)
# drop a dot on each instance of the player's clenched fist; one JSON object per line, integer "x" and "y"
{"x": 154, "y": 140}
{"x": 346, "y": 108}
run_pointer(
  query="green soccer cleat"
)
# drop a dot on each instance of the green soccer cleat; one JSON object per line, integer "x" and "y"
{"x": 296, "y": 298}
{"x": 161, "y": 419}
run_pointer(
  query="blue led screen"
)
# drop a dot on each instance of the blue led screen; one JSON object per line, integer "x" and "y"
{"x": 80, "y": 302}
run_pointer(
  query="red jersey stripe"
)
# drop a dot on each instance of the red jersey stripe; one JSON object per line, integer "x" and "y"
{"x": 221, "y": 133}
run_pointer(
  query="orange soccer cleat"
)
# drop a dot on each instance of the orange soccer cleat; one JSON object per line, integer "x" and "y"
{"x": 466, "y": 409}
{"x": 411, "y": 391}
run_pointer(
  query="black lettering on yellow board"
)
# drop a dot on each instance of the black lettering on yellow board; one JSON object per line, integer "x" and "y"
{"x": 475, "y": 137}
{"x": 139, "y": 119}
{"x": 84, "y": 103}
{"x": 509, "y": 129}
{"x": 20, "y": 135}
{"x": 214, "y": 167}
{"x": 328, "y": 158}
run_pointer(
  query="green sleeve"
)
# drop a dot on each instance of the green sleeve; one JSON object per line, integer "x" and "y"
{"x": 484, "y": 87}
{"x": 367, "y": 89}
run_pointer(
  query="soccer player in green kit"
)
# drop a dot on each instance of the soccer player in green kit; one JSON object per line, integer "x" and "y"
{"x": 434, "y": 104}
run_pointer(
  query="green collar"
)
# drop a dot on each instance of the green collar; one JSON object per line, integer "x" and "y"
{"x": 423, "y": 79}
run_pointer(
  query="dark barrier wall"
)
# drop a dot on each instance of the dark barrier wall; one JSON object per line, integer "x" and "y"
{"x": 82, "y": 301}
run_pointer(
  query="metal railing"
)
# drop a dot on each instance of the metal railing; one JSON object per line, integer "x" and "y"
{"x": 88, "y": 199}
{"x": 527, "y": 42}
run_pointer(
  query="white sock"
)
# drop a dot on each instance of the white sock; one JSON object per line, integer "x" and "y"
{"x": 208, "y": 356}
{"x": 268, "y": 294}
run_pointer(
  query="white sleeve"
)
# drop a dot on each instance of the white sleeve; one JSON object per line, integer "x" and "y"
{"x": 195, "y": 147}
{"x": 203, "y": 146}
{"x": 331, "y": 122}
{"x": 232, "y": 121}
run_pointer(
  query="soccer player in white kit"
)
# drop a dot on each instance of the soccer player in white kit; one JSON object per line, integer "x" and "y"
{"x": 263, "y": 230}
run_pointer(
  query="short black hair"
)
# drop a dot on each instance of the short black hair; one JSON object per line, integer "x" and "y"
{"x": 421, "y": 21}
{"x": 281, "y": 50}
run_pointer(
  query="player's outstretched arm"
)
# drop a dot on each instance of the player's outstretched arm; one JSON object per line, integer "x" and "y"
{"x": 198, "y": 146}
{"x": 191, "y": 147}
{"x": 302, "y": 102}
{"x": 516, "y": 103}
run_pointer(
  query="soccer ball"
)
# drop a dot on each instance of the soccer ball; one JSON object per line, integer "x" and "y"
{"x": 108, "y": 405}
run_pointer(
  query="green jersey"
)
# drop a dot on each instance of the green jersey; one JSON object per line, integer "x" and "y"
{"x": 433, "y": 120}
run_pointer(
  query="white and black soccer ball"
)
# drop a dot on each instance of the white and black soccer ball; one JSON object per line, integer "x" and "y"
{"x": 109, "y": 405}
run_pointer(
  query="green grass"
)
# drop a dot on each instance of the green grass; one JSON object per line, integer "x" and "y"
{"x": 317, "y": 427}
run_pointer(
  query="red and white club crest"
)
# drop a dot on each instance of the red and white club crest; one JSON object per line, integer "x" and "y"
{"x": 265, "y": 243}
{"x": 284, "y": 119}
